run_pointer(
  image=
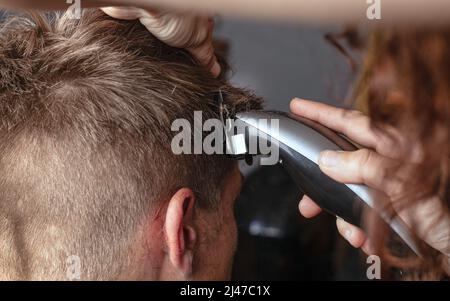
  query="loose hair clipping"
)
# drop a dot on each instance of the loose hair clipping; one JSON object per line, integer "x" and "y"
{"x": 225, "y": 115}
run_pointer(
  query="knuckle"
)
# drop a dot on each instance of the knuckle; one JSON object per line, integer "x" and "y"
{"x": 394, "y": 188}
{"x": 352, "y": 114}
{"x": 352, "y": 120}
{"x": 363, "y": 156}
{"x": 357, "y": 117}
{"x": 364, "y": 159}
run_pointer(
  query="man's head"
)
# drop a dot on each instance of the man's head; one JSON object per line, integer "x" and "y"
{"x": 88, "y": 181}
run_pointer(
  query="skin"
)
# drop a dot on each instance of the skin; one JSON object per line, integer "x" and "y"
{"x": 430, "y": 12}
{"x": 194, "y": 33}
{"x": 198, "y": 244}
{"x": 370, "y": 166}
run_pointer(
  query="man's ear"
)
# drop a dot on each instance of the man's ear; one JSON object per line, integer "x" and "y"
{"x": 179, "y": 230}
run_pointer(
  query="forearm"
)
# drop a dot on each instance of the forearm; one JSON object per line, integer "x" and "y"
{"x": 315, "y": 11}
{"x": 305, "y": 11}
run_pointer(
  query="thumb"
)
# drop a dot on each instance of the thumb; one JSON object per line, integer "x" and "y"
{"x": 363, "y": 166}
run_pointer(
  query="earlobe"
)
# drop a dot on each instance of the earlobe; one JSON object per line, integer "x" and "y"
{"x": 179, "y": 231}
{"x": 186, "y": 263}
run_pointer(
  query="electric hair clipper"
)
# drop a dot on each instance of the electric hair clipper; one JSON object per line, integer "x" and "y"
{"x": 299, "y": 143}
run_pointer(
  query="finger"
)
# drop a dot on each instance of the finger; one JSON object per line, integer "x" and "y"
{"x": 192, "y": 33}
{"x": 354, "y": 235}
{"x": 215, "y": 69}
{"x": 308, "y": 208}
{"x": 363, "y": 166}
{"x": 204, "y": 52}
{"x": 181, "y": 31}
{"x": 352, "y": 124}
{"x": 123, "y": 13}
{"x": 205, "y": 56}
{"x": 368, "y": 248}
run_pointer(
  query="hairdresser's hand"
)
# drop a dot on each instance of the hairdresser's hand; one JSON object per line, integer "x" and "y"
{"x": 190, "y": 32}
{"x": 371, "y": 166}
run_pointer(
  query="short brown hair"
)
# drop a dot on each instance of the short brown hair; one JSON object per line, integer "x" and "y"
{"x": 85, "y": 113}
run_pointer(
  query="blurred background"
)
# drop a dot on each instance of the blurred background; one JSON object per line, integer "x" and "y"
{"x": 280, "y": 62}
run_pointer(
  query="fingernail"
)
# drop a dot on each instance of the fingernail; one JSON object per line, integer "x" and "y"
{"x": 296, "y": 101}
{"x": 329, "y": 158}
{"x": 301, "y": 204}
{"x": 348, "y": 233}
{"x": 215, "y": 70}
